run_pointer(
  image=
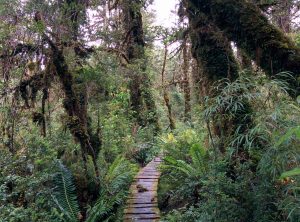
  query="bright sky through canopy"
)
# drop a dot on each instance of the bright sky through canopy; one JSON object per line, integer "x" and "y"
{"x": 165, "y": 12}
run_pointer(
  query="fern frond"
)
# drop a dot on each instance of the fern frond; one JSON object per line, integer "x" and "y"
{"x": 65, "y": 194}
{"x": 178, "y": 165}
{"x": 105, "y": 206}
{"x": 198, "y": 154}
{"x": 118, "y": 177}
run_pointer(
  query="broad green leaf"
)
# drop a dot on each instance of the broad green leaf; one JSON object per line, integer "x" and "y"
{"x": 290, "y": 173}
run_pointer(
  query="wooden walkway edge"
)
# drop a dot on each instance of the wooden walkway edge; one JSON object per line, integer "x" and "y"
{"x": 142, "y": 202}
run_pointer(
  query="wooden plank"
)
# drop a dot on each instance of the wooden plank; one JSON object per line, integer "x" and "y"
{"x": 146, "y": 195}
{"x": 144, "y": 210}
{"x": 135, "y": 192}
{"x": 149, "y": 173}
{"x": 147, "y": 177}
{"x": 141, "y": 220}
{"x": 141, "y": 204}
{"x": 146, "y": 180}
{"x": 134, "y": 217}
{"x": 148, "y": 186}
{"x": 137, "y": 200}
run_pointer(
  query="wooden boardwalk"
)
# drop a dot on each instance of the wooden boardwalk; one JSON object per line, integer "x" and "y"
{"x": 142, "y": 202}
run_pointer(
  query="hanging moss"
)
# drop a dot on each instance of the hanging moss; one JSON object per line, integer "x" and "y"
{"x": 37, "y": 118}
{"x": 77, "y": 112}
{"x": 244, "y": 23}
{"x": 77, "y": 128}
{"x": 29, "y": 88}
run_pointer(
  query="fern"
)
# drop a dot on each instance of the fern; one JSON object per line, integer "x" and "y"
{"x": 114, "y": 189}
{"x": 65, "y": 194}
{"x": 194, "y": 169}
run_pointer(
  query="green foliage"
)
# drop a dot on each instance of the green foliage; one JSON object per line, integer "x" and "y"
{"x": 239, "y": 186}
{"x": 290, "y": 173}
{"x": 26, "y": 179}
{"x": 113, "y": 191}
{"x": 195, "y": 168}
{"x": 65, "y": 194}
{"x": 185, "y": 162}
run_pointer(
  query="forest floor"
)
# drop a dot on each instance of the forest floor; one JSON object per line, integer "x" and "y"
{"x": 142, "y": 203}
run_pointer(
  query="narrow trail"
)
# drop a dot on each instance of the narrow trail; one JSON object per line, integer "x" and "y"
{"x": 142, "y": 202}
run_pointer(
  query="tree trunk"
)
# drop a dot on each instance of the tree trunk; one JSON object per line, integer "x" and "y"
{"x": 186, "y": 82}
{"x": 140, "y": 84}
{"x": 282, "y": 15}
{"x": 214, "y": 55}
{"x": 165, "y": 92}
{"x": 75, "y": 102}
{"x": 244, "y": 60}
{"x": 244, "y": 23}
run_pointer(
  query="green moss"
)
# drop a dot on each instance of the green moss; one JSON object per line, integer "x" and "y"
{"x": 243, "y": 23}
{"x": 213, "y": 51}
{"x": 77, "y": 129}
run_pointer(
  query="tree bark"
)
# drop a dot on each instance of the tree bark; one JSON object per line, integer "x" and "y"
{"x": 186, "y": 82}
{"x": 244, "y": 60}
{"x": 140, "y": 84}
{"x": 243, "y": 23}
{"x": 215, "y": 56}
{"x": 166, "y": 97}
{"x": 76, "y": 101}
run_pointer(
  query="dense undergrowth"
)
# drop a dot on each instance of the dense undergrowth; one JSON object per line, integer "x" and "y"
{"x": 43, "y": 179}
{"x": 87, "y": 100}
{"x": 245, "y": 183}
{"x": 256, "y": 179}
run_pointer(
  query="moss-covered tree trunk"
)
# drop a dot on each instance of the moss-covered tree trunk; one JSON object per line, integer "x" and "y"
{"x": 244, "y": 60}
{"x": 186, "y": 81}
{"x": 140, "y": 85}
{"x": 215, "y": 56}
{"x": 75, "y": 89}
{"x": 244, "y": 23}
{"x": 166, "y": 96}
{"x": 196, "y": 80}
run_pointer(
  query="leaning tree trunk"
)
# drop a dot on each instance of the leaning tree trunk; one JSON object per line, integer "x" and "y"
{"x": 140, "y": 84}
{"x": 186, "y": 81}
{"x": 214, "y": 54}
{"x": 75, "y": 101}
{"x": 244, "y": 23}
{"x": 166, "y": 96}
{"x": 244, "y": 60}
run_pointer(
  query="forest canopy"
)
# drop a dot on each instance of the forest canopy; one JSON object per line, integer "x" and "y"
{"x": 106, "y": 115}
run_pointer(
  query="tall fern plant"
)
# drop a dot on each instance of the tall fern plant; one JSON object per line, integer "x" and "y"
{"x": 185, "y": 163}
{"x": 113, "y": 192}
{"x": 114, "y": 189}
{"x": 193, "y": 169}
{"x": 65, "y": 195}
